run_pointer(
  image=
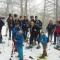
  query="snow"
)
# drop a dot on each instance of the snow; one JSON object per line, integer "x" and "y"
{"x": 6, "y": 48}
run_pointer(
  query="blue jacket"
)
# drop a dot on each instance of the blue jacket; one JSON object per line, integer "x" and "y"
{"x": 18, "y": 36}
{"x": 44, "y": 39}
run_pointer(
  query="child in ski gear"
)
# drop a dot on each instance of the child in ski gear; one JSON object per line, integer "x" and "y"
{"x": 18, "y": 35}
{"x": 44, "y": 41}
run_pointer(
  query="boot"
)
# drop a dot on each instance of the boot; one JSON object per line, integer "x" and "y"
{"x": 43, "y": 56}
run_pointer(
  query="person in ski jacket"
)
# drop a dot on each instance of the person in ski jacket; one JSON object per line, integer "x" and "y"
{"x": 44, "y": 41}
{"x": 18, "y": 37}
{"x": 50, "y": 29}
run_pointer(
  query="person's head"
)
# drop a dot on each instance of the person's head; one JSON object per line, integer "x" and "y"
{"x": 15, "y": 15}
{"x": 31, "y": 17}
{"x": 25, "y": 17}
{"x": 10, "y": 14}
{"x": 11, "y": 17}
{"x": 36, "y": 17}
{"x": 20, "y": 17}
{"x": 50, "y": 21}
{"x": 58, "y": 23}
{"x": 17, "y": 24}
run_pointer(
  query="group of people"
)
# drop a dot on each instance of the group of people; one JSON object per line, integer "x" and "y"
{"x": 53, "y": 30}
{"x": 19, "y": 28}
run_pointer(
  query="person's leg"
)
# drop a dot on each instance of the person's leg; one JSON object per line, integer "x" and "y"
{"x": 15, "y": 49}
{"x": 0, "y": 36}
{"x": 31, "y": 40}
{"x": 0, "y": 31}
{"x": 54, "y": 39}
{"x": 24, "y": 34}
{"x": 0, "y": 39}
{"x": 48, "y": 36}
{"x": 38, "y": 40}
{"x": 44, "y": 50}
{"x": 20, "y": 52}
{"x": 9, "y": 33}
{"x": 12, "y": 34}
{"x": 34, "y": 40}
{"x": 6, "y": 30}
{"x": 51, "y": 36}
{"x": 38, "y": 46}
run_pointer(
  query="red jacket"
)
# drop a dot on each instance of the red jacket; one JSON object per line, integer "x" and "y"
{"x": 57, "y": 30}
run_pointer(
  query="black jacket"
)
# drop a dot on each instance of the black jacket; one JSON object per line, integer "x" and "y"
{"x": 38, "y": 24}
{"x": 11, "y": 23}
{"x": 25, "y": 24}
{"x": 1, "y": 24}
{"x": 50, "y": 28}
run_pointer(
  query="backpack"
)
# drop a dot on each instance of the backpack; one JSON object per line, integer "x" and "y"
{"x": 38, "y": 24}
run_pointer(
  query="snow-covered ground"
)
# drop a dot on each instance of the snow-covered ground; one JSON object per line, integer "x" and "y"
{"x": 53, "y": 54}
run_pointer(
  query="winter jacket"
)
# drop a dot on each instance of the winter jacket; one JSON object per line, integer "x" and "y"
{"x": 44, "y": 39}
{"x": 10, "y": 23}
{"x": 57, "y": 30}
{"x": 50, "y": 28}
{"x": 20, "y": 23}
{"x": 25, "y": 24}
{"x": 34, "y": 31}
{"x": 1, "y": 24}
{"x": 38, "y": 24}
{"x": 18, "y": 35}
